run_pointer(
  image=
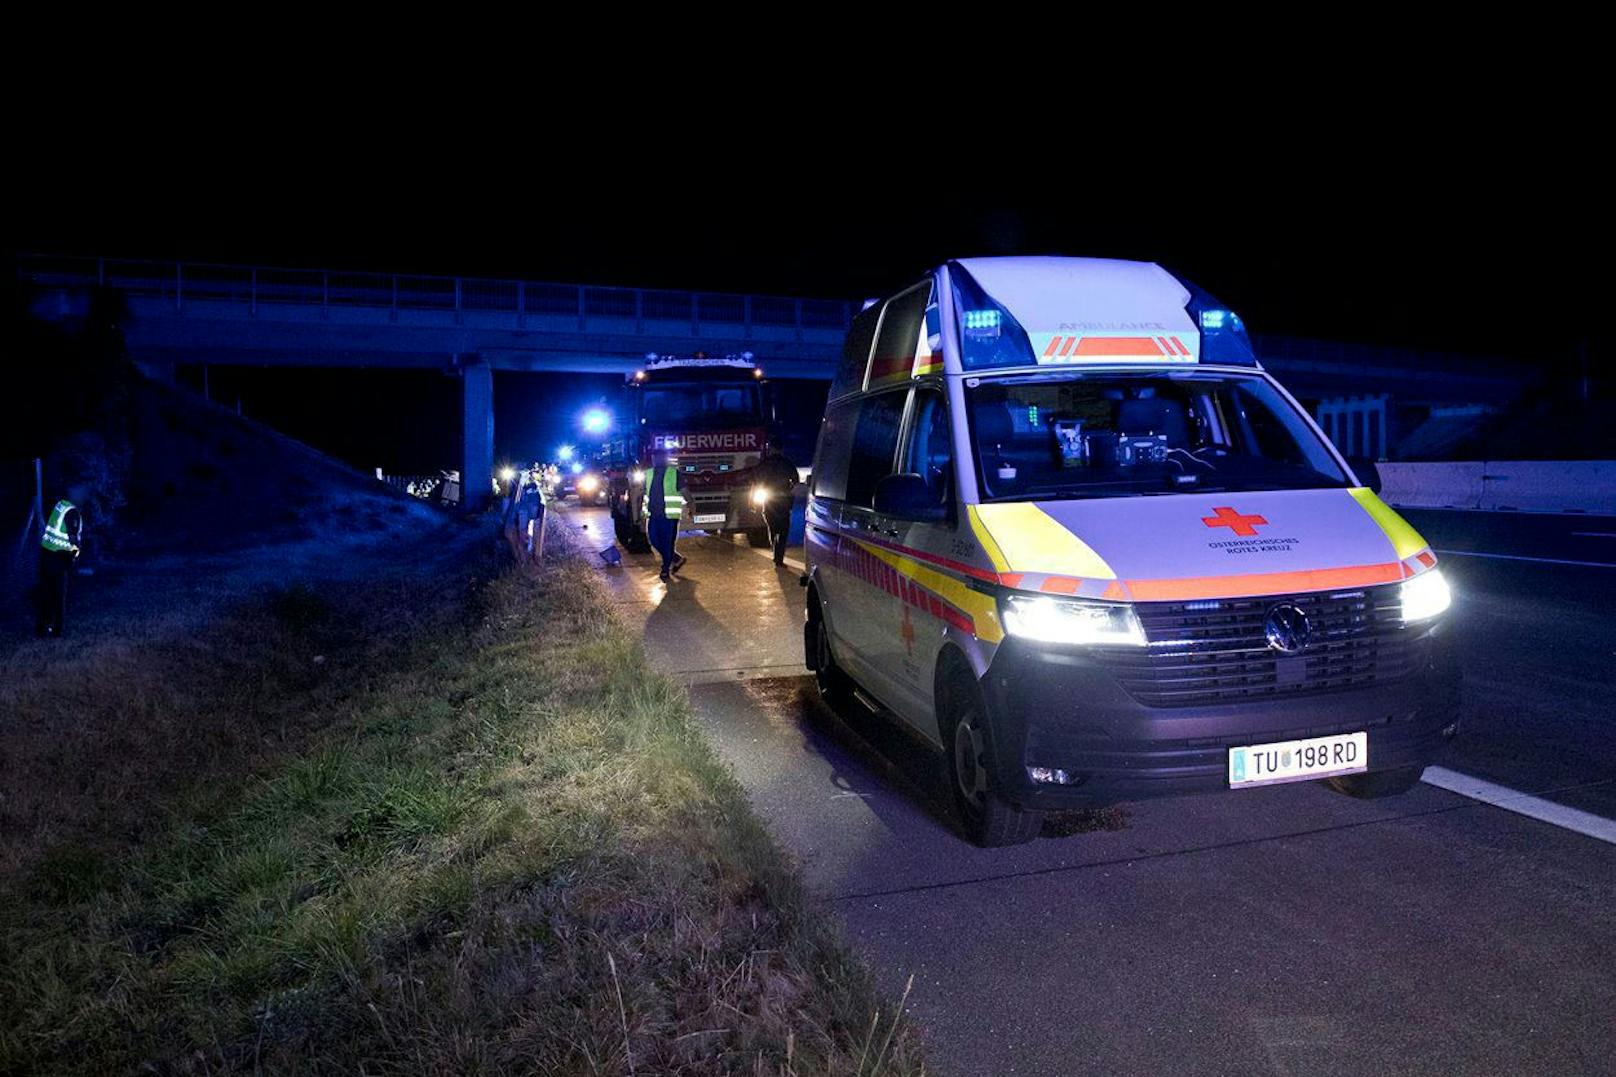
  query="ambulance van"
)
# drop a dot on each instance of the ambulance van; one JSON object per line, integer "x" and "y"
{"x": 1066, "y": 529}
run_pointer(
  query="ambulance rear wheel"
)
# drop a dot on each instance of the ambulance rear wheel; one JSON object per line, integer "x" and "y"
{"x": 988, "y": 819}
{"x": 1377, "y": 783}
{"x": 757, "y": 538}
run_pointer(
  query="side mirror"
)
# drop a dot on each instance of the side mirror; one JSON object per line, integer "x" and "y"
{"x": 1367, "y": 472}
{"x": 907, "y": 497}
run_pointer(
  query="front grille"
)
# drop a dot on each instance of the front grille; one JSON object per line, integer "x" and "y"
{"x": 1217, "y": 651}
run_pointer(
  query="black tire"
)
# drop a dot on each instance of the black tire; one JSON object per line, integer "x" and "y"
{"x": 629, "y": 537}
{"x": 757, "y": 538}
{"x": 835, "y": 686}
{"x": 986, "y": 817}
{"x": 1377, "y": 783}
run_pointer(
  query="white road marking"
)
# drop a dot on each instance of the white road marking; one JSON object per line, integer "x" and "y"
{"x": 1593, "y": 826}
{"x": 1517, "y": 557}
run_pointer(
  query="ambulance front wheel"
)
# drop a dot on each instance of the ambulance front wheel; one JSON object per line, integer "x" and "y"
{"x": 757, "y": 537}
{"x": 1377, "y": 783}
{"x": 988, "y": 819}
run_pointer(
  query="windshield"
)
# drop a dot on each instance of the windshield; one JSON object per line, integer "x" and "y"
{"x": 702, "y": 404}
{"x": 1131, "y": 435}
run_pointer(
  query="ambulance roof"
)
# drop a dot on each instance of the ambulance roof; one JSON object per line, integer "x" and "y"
{"x": 1048, "y": 294}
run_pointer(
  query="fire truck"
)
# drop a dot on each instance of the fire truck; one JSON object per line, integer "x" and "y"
{"x": 715, "y": 415}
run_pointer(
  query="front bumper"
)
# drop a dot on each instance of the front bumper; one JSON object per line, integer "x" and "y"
{"x": 734, "y": 502}
{"x": 1063, "y": 708}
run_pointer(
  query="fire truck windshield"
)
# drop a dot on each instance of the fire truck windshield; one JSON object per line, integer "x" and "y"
{"x": 685, "y": 405}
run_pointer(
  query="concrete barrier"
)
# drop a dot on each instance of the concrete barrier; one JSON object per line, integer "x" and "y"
{"x": 1504, "y": 485}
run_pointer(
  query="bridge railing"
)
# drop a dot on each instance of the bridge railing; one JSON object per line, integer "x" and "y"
{"x": 180, "y": 283}
{"x": 255, "y": 286}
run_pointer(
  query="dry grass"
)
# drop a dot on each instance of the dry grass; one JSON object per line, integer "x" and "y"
{"x": 502, "y": 847}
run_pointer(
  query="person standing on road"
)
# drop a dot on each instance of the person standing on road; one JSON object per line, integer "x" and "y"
{"x": 530, "y": 516}
{"x": 777, "y": 476}
{"x": 58, "y": 549}
{"x": 664, "y": 504}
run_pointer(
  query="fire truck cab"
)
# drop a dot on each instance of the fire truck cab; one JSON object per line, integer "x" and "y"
{"x": 715, "y": 415}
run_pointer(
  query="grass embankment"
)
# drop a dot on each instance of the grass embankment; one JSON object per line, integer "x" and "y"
{"x": 509, "y": 850}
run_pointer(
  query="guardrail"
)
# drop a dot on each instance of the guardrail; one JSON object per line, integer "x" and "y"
{"x": 180, "y": 283}
{"x": 1503, "y": 485}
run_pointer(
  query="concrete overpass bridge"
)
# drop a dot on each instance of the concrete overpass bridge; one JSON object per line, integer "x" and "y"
{"x": 213, "y": 315}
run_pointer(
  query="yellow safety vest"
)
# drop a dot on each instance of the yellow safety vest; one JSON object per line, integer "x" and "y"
{"x": 56, "y": 538}
{"x": 673, "y": 502}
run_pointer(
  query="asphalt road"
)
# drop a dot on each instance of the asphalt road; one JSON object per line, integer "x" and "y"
{"x": 1281, "y": 930}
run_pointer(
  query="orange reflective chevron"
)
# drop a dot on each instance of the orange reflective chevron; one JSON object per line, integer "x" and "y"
{"x": 1264, "y": 583}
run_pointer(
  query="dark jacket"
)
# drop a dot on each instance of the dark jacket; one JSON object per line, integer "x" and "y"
{"x": 777, "y": 473}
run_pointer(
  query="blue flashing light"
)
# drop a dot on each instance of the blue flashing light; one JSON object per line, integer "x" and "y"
{"x": 597, "y": 421}
{"x": 577, "y": 468}
{"x": 983, "y": 324}
{"x": 1223, "y": 334}
{"x": 990, "y": 336}
{"x": 565, "y": 452}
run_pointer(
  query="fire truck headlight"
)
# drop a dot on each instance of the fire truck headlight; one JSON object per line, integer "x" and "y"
{"x": 588, "y": 484}
{"x": 760, "y": 496}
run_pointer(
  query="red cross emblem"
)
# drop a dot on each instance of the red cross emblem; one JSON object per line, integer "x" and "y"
{"x": 1240, "y": 525}
{"x": 908, "y": 633}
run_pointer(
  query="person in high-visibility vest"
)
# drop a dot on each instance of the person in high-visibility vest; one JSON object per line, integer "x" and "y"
{"x": 58, "y": 549}
{"x": 663, "y": 503}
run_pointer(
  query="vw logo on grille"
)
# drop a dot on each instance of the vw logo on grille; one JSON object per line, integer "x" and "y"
{"x": 1287, "y": 629}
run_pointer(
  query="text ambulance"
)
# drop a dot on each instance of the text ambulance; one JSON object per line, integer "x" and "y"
{"x": 1065, "y": 527}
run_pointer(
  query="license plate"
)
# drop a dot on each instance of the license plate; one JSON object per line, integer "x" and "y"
{"x": 1298, "y": 760}
{"x": 710, "y": 518}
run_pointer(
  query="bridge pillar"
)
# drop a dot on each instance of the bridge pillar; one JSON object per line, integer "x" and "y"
{"x": 477, "y": 436}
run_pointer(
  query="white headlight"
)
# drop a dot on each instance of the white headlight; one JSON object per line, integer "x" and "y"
{"x": 1426, "y": 595}
{"x": 1063, "y": 620}
{"x": 760, "y": 495}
